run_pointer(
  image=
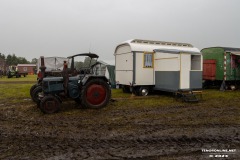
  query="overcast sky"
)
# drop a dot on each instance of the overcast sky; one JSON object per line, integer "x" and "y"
{"x": 34, "y": 28}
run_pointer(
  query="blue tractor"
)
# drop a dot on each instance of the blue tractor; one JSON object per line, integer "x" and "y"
{"x": 78, "y": 82}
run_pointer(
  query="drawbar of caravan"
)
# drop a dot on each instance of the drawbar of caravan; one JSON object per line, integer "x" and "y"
{"x": 144, "y": 65}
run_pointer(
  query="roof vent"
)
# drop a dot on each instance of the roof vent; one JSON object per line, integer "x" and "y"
{"x": 161, "y": 43}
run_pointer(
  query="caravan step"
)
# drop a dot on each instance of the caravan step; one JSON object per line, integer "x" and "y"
{"x": 189, "y": 98}
{"x": 188, "y": 95}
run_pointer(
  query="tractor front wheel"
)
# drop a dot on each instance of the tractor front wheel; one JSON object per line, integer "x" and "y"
{"x": 49, "y": 104}
{"x": 32, "y": 88}
{"x": 35, "y": 94}
{"x": 95, "y": 94}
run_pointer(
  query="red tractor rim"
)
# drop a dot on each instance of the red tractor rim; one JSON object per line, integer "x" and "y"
{"x": 96, "y": 94}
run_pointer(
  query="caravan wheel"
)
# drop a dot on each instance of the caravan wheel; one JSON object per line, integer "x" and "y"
{"x": 125, "y": 89}
{"x": 233, "y": 87}
{"x": 135, "y": 91}
{"x": 143, "y": 91}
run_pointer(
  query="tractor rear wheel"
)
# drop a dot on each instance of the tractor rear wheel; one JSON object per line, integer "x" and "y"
{"x": 35, "y": 94}
{"x": 77, "y": 100}
{"x": 95, "y": 94}
{"x": 49, "y": 104}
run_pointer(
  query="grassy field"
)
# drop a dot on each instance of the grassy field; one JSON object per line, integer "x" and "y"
{"x": 14, "y": 90}
{"x": 18, "y": 92}
{"x": 15, "y": 93}
{"x": 30, "y": 78}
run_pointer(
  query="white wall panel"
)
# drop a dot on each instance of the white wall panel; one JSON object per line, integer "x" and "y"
{"x": 185, "y": 71}
{"x": 124, "y": 77}
{"x": 166, "y": 62}
{"x": 144, "y": 76}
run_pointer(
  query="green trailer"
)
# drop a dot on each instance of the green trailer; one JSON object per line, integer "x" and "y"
{"x": 221, "y": 66}
{"x": 14, "y": 72}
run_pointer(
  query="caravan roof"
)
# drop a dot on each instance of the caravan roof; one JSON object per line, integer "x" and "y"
{"x": 150, "y": 46}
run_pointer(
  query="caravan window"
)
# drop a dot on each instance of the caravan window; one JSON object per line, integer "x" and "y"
{"x": 195, "y": 62}
{"x": 148, "y": 60}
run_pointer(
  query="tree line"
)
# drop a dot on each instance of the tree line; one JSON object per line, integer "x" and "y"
{"x": 12, "y": 59}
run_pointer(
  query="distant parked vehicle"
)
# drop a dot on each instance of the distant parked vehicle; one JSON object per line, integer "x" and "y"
{"x": 13, "y": 72}
{"x": 221, "y": 67}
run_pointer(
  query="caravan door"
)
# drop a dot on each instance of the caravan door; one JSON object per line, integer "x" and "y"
{"x": 185, "y": 67}
{"x": 166, "y": 71}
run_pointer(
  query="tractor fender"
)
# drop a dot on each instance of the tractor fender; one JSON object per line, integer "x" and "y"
{"x": 89, "y": 77}
{"x": 55, "y": 95}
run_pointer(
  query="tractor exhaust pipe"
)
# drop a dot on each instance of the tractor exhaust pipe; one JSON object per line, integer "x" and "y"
{"x": 42, "y": 68}
{"x": 65, "y": 77}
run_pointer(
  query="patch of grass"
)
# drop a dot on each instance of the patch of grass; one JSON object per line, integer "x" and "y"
{"x": 216, "y": 107}
{"x": 216, "y": 94}
{"x": 13, "y": 93}
{"x": 151, "y": 100}
{"x": 118, "y": 93}
{"x": 32, "y": 78}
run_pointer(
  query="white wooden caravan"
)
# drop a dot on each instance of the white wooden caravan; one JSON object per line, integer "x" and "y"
{"x": 143, "y": 65}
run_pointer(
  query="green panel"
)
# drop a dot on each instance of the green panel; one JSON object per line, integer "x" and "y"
{"x": 111, "y": 71}
{"x": 236, "y": 71}
{"x": 233, "y": 73}
{"x": 217, "y": 54}
{"x": 229, "y": 72}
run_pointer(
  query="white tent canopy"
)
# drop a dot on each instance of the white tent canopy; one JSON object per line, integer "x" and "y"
{"x": 52, "y": 63}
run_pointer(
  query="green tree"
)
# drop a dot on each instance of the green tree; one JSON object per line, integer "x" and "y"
{"x": 2, "y": 56}
{"x": 9, "y": 59}
{"x": 22, "y": 60}
{"x": 78, "y": 65}
{"x": 34, "y": 61}
{"x": 87, "y": 62}
{"x": 14, "y": 60}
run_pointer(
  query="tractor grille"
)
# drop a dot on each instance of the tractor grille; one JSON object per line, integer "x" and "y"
{"x": 52, "y": 86}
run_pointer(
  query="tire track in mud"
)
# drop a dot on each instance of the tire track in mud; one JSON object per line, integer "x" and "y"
{"x": 89, "y": 137}
{"x": 120, "y": 147}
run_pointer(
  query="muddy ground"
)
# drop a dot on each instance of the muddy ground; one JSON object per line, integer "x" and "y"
{"x": 125, "y": 129}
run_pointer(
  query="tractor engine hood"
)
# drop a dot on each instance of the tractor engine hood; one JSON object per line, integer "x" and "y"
{"x": 52, "y": 79}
